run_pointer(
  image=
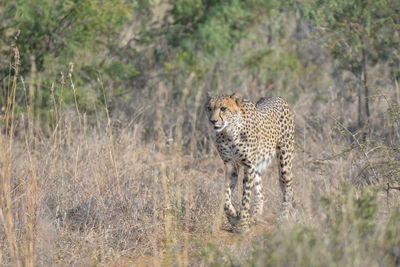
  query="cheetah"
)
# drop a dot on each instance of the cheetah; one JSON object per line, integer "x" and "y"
{"x": 250, "y": 135}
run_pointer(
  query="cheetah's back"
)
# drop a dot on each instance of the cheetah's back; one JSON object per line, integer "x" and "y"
{"x": 268, "y": 105}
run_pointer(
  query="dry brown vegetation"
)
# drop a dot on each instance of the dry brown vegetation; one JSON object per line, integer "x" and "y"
{"x": 103, "y": 195}
{"x": 136, "y": 180}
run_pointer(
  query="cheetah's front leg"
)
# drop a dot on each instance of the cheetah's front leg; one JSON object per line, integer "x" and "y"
{"x": 258, "y": 197}
{"x": 232, "y": 177}
{"x": 248, "y": 181}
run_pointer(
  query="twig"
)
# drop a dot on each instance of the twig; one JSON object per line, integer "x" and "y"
{"x": 109, "y": 128}
{"x": 391, "y": 107}
{"x": 389, "y": 187}
{"x": 71, "y": 69}
{"x": 84, "y": 189}
{"x": 358, "y": 143}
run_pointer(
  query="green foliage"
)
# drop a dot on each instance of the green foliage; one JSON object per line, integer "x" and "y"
{"x": 50, "y": 34}
{"x": 208, "y": 25}
{"x": 348, "y": 233}
{"x": 213, "y": 26}
{"x": 54, "y": 30}
{"x": 391, "y": 239}
{"x": 348, "y": 222}
{"x": 352, "y": 28}
{"x": 359, "y": 34}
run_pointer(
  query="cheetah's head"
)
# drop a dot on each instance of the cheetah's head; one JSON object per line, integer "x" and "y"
{"x": 223, "y": 110}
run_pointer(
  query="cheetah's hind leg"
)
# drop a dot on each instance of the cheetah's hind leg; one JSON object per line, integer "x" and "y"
{"x": 284, "y": 155}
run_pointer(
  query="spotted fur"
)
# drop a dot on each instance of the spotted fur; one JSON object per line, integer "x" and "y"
{"x": 250, "y": 135}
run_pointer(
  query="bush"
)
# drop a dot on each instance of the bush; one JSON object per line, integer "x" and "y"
{"x": 347, "y": 233}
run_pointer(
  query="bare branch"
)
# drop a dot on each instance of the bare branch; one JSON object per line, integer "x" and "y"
{"x": 360, "y": 146}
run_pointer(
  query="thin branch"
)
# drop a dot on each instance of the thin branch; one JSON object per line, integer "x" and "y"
{"x": 389, "y": 187}
{"x": 358, "y": 143}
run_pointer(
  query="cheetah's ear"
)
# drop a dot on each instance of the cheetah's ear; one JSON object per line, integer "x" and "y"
{"x": 238, "y": 97}
{"x": 209, "y": 96}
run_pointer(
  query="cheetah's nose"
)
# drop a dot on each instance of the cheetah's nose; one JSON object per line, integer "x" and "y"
{"x": 213, "y": 121}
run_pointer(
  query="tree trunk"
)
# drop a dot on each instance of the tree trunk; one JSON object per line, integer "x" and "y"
{"x": 364, "y": 79}
{"x": 360, "y": 117}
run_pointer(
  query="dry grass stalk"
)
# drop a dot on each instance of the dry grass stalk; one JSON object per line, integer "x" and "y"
{"x": 114, "y": 195}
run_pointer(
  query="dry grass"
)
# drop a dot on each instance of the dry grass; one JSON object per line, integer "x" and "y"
{"x": 110, "y": 195}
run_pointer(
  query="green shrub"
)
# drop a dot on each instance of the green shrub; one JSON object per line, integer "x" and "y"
{"x": 347, "y": 232}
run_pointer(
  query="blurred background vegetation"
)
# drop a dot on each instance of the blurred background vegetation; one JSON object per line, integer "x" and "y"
{"x": 153, "y": 61}
{"x": 144, "y": 67}
{"x": 261, "y": 47}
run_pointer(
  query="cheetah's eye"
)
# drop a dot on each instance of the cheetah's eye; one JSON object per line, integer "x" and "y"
{"x": 209, "y": 108}
{"x": 223, "y": 109}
